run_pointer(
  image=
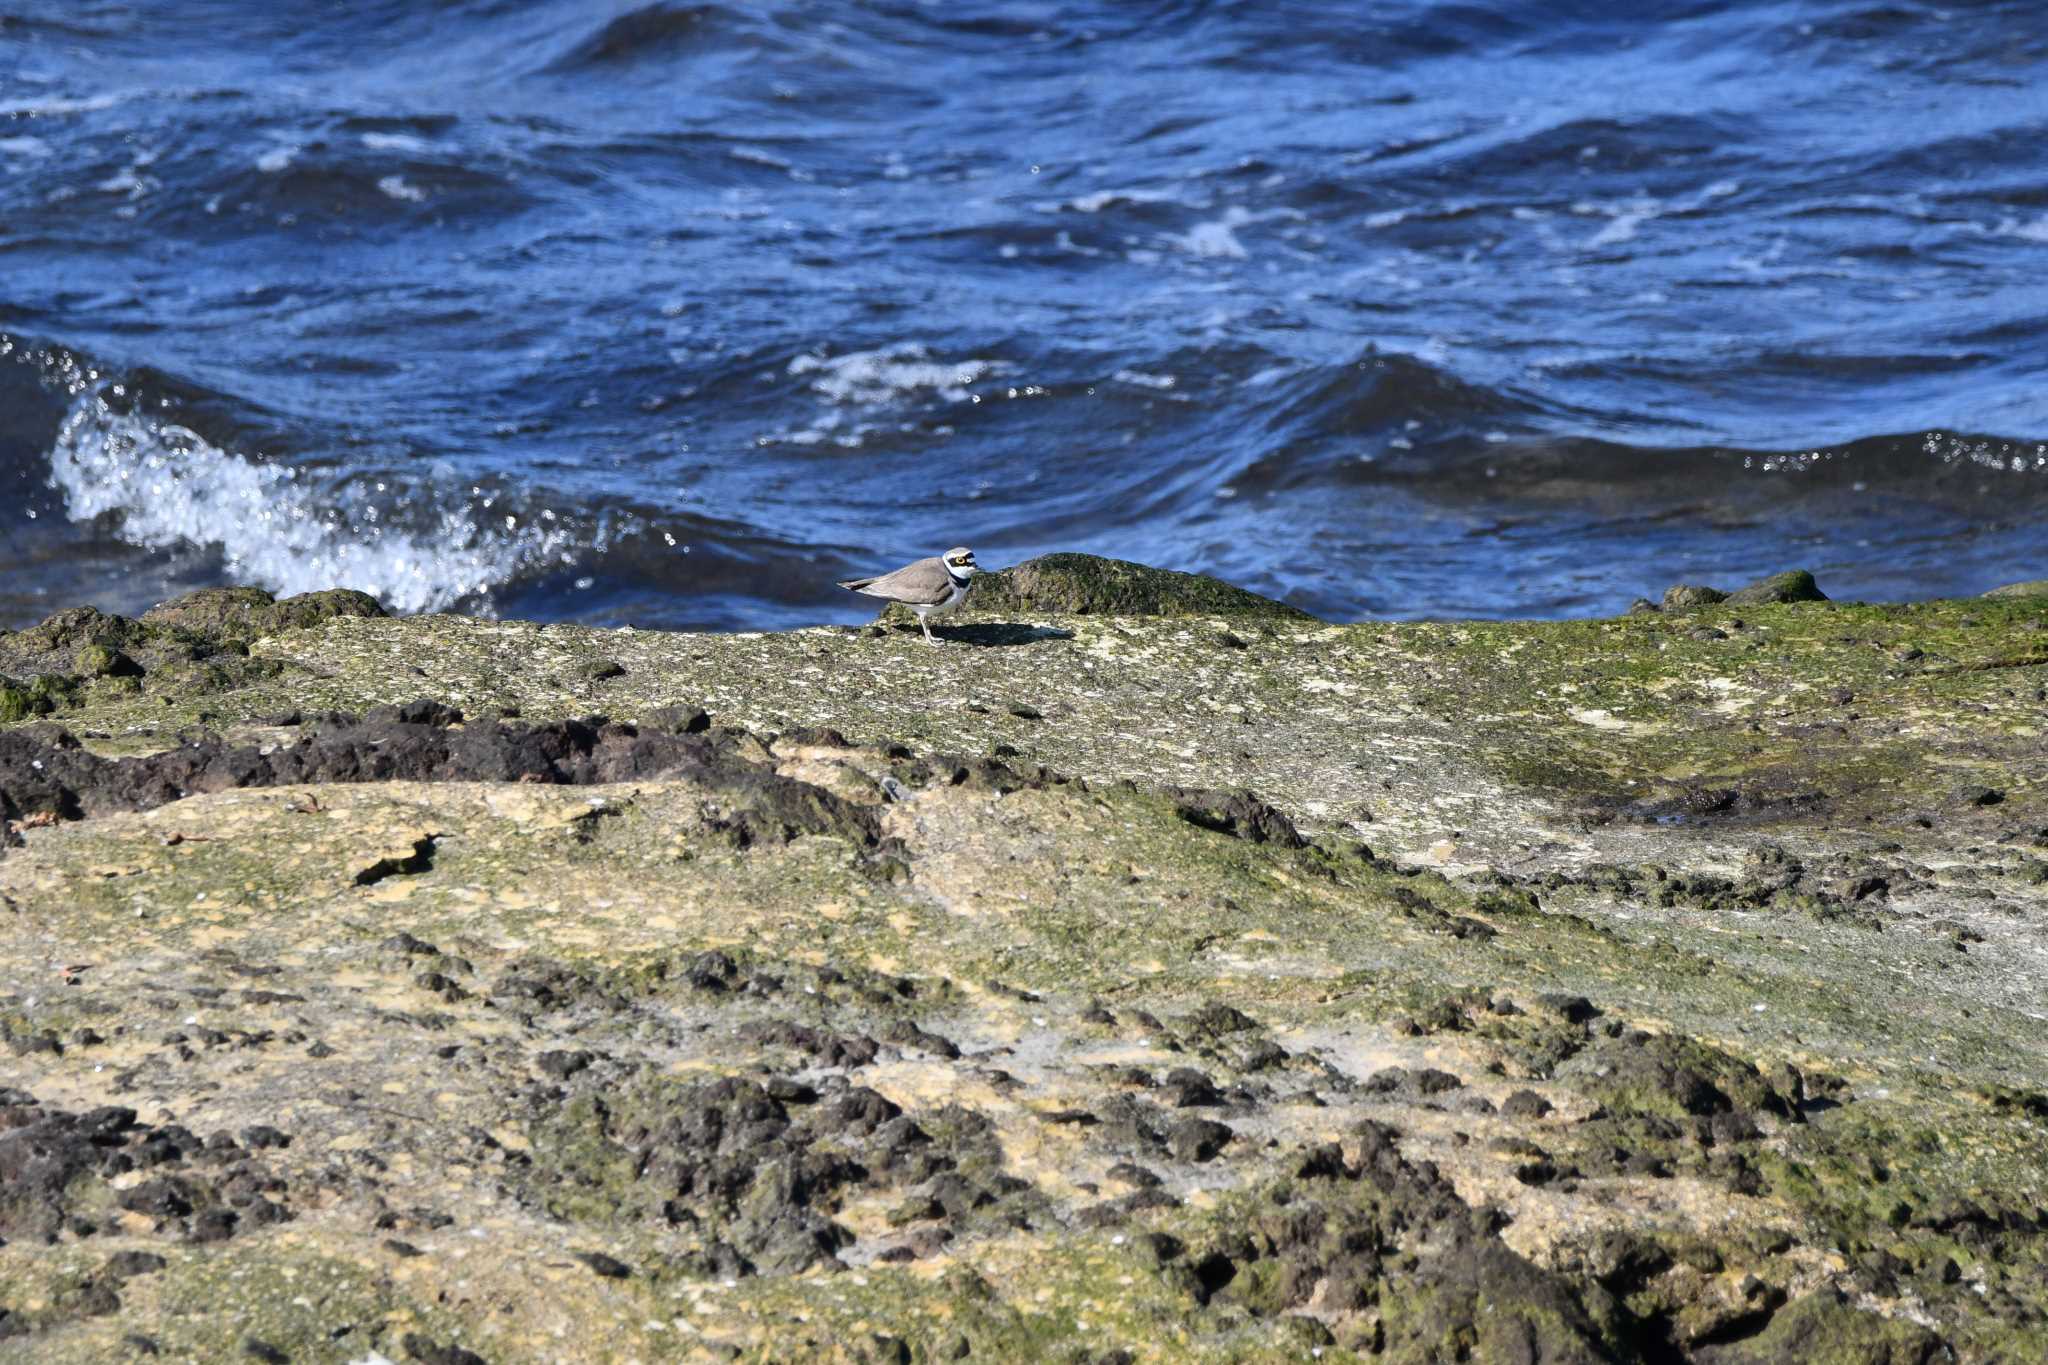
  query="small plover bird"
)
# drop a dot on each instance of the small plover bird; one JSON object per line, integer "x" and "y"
{"x": 929, "y": 585}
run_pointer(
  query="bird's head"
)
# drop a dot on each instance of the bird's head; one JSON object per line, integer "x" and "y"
{"x": 959, "y": 562}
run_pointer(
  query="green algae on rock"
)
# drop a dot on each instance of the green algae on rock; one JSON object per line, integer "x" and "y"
{"x": 1088, "y": 585}
{"x": 1795, "y": 585}
{"x": 246, "y": 613}
{"x": 1595, "y": 989}
{"x": 1686, "y": 596}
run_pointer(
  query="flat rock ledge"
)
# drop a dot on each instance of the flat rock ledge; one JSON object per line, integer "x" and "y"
{"x": 1149, "y": 973}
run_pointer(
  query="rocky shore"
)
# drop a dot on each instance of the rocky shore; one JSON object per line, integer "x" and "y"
{"x": 1151, "y": 973}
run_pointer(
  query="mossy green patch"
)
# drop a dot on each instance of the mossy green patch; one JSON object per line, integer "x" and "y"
{"x": 1088, "y": 585}
{"x": 39, "y": 696}
{"x": 104, "y": 661}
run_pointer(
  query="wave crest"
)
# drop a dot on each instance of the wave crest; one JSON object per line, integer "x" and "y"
{"x": 162, "y": 485}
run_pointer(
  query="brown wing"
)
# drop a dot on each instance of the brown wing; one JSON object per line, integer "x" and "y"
{"x": 924, "y": 583}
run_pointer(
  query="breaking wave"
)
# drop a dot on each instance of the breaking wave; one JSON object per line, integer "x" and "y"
{"x": 160, "y": 485}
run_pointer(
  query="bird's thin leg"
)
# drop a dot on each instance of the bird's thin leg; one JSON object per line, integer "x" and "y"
{"x": 926, "y": 627}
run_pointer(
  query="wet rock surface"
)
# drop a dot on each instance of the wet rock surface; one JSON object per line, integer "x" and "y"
{"x": 1663, "y": 989}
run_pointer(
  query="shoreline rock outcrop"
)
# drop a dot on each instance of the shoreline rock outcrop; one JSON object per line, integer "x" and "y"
{"x": 1161, "y": 977}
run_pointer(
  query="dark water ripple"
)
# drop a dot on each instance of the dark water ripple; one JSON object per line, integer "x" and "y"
{"x": 670, "y": 313}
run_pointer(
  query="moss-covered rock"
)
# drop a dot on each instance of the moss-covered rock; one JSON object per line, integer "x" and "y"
{"x": 245, "y": 613}
{"x": 1686, "y": 596}
{"x": 1660, "y": 1075}
{"x": 66, "y": 630}
{"x": 1088, "y": 585}
{"x": 1824, "y": 1329}
{"x": 2033, "y": 587}
{"x": 195, "y": 644}
{"x": 104, "y": 661}
{"x": 1794, "y": 585}
{"x": 39, "y": 696}
{"x": 310, "y": 608}
{"x": 214, "y": 611}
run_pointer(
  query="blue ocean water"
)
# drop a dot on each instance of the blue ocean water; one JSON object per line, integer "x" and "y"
{"x": 669, "y": 314}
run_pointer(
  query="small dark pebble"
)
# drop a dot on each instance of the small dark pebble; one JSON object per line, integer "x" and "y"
{"x": 319, "y": 1050}
{"x": 257, "y": 1349}
{"x": 1159, "y": 1246}
{"x": 1573, "y": 1009}
{"x": 141, "y": 1344}
{"x": 1430, "y": 1081}
{"x": 214, "y": 1225}
{"x": 1263, "y": 1055}
{"x": 1525, "y": 1104}
{"x": 403, "y": 1249}
{"x": 422, "y": 712}
{"x": 1191, "y": 1088}
{"x": 677, "y": 720}
{"x": 609, "y": 1267}
{"x": 128, "y": 1264}
{"x": 1194, "y": 1139}
{"x": 423, "y": 1348}
{"x": 1023, "y": 712}
{"x": 789, "y": 1091}
{"x": 562, "y": 1065}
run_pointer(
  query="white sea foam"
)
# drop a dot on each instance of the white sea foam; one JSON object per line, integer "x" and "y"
{"x": 394, "y": 142}
{"x": 33, "y": 107}
{"x": 398, "y": 187}
{"x": 1218, "y": 237}
{"x": 760, "y": 156}
{"x": 1102, "y": 199}
{"x": 2036, "y": 231}
{"x": 890, "y": 373}
{"x": 277, "y": 158}
{"x": 165, "y": 486}
{"x": 1624, "y": 219}
{"x": 31, "y": 147}
{"x": 1143, "y": 380}
{"x": 130, "y": 180}
{"x": 863, "y": 385}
